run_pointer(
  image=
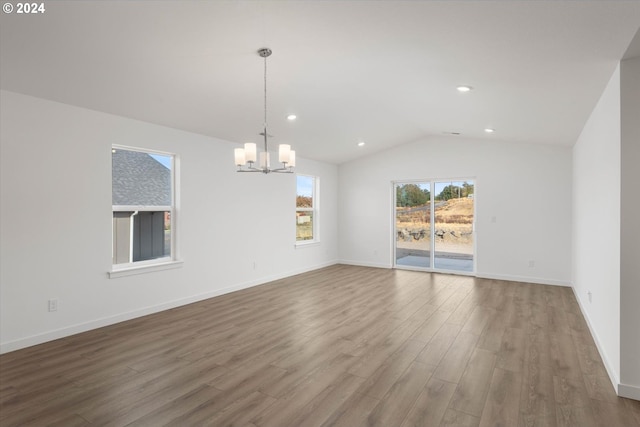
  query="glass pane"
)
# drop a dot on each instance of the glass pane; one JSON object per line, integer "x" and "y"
{"x": 453, "y": 232}
{"x": 140, "y": 179}
{"x": 304, "y": 225}
{"x": 413, "y": 224}
{"x": 140, "y": 236}
{"x": 304, "y": 192}
{"x": 121, "y": 237}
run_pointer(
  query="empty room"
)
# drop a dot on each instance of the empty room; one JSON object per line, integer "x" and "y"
{"x": 320, "y": 213}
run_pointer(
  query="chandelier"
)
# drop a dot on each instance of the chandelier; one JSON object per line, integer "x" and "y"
{"x": 246, "y": 157}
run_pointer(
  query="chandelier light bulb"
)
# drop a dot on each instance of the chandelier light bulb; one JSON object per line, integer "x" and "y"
{"x": 250, "y": 152}
{"x": 283, "y": 153}
{"x": 241, "y": 159}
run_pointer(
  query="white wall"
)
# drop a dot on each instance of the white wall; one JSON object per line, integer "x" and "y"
{"x": 630, "y": 229}
{"x": 56, "y": 221}
{"x": 526, "y": 187}
{"x": 596, "y": 224}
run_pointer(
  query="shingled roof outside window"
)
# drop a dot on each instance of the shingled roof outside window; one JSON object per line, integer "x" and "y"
{"x": 139, "y": 180}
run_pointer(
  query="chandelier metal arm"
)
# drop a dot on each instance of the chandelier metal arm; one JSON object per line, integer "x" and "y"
{"x": 250, "y": 168}
{"x": 284, "y": 169}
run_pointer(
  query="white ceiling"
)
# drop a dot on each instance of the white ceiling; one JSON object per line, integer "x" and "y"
{"x": 383, "y": 72}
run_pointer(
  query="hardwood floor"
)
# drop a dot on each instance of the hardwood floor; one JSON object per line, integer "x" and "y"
{"x": 342, "y": 346}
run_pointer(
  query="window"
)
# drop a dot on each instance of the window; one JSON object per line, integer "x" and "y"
{"x": 142, "y": 185}
{"x": 306, "y": 209}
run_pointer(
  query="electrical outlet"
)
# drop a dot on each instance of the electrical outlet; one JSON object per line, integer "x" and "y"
{"x": 53, "y": 304}
{"x": 532, "y": 263}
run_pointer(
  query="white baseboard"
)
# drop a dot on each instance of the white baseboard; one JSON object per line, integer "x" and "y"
{"x": 364, "y": 264}
{"x": 613, "y": 375}
{"x": 524, "y": 279}
{"x": 107, "y": 321}
{"x": 629, "y": 391}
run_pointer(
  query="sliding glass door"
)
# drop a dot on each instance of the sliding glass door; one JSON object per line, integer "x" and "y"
{"x": 413, "y": 224}
{"x": 434, "y": 225}
{"x": 453, "y": 241}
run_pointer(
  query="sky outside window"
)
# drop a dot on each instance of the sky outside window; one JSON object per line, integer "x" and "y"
{"x": 305, "y": 185}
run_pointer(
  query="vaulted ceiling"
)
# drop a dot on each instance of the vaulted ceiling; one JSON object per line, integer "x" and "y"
{"x": 382, "y": 72}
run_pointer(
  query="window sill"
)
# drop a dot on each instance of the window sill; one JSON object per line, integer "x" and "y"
{"x": 142, "y": 269}
{"x": 307, "y": 244}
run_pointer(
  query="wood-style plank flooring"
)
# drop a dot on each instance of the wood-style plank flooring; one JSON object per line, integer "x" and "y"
{"x": 341, "y": 346}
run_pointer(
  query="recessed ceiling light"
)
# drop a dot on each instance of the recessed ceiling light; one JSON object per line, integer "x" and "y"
{"x": 489, "y": 130}
{"x": 361, "y": 144}
{"x": 464, "y": 88}
{"x": 291, "y": 117}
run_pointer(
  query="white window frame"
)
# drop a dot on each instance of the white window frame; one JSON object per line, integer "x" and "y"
{"x": 156, "y": 264}
{"x": 315, "y": 210}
